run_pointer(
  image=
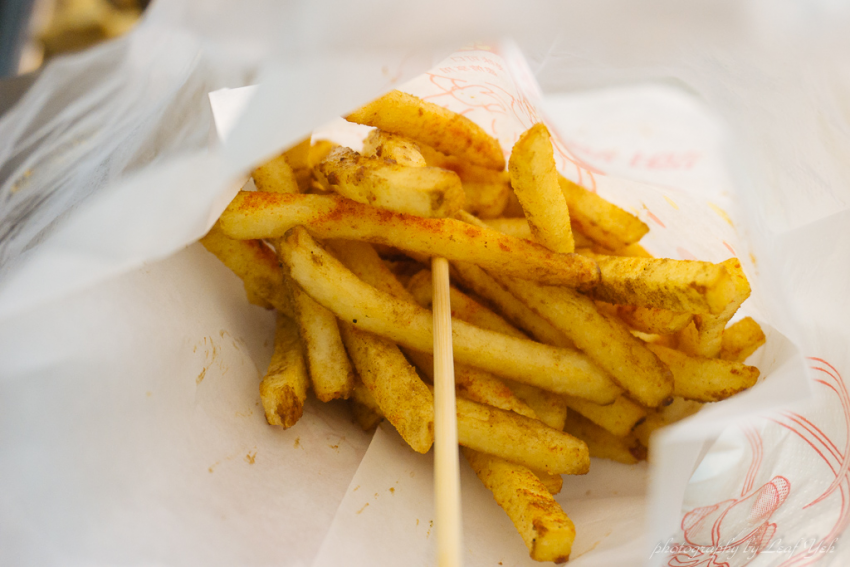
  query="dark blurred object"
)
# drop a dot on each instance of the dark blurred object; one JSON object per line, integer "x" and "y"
{"x": 14, "y": 25}
{"x": 77, "y": 24}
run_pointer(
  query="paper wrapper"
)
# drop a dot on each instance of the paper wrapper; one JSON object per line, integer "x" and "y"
{"x": 132, "y": 431}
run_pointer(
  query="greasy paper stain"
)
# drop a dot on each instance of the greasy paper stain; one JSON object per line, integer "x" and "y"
{"x": 250, "y": 458}
{"x": 363, "y": 508}
{"x": 672, "y": 203}
{"x": 297, "y": 442}
{"x": 721, "y": 213}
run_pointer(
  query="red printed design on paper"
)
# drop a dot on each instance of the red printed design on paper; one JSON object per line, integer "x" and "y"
{"x": 731, "y": 533}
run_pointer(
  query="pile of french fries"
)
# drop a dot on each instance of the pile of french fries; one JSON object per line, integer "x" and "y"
{"x": 570, "y": 340}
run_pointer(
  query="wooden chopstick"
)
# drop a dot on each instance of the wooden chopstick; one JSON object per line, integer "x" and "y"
{"x": 446, "y": 465}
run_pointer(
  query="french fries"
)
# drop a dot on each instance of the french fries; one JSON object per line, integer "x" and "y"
{"x": 255, "y": 264}
{"x": 404, "y": 400}
{"x": 392, "y": 147}
{"x": 519, "y": 439}
{"x": 601, "y": 221}
{"x": 705, "y": 335}
{"x": 677, "y": 285}
{"x": 423, "y": 191}
{"x": 546, "y": 530}
{"x": 741, "y": 340}
{"x": 535, "y": 182}
{"x": 705, "y": 379}
{"x": 617, "y": 334}
{"x": 603, "y": 445}
{"x": 330, "y": 369}
{"x": 284, "y": 387}
{"x": 270, "y": 215}
{"x": 400, "y": 113}
{"x": 331, "y": 284}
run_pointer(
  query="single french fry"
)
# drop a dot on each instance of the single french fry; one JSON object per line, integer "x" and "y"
{"x": 270, "y": 215}
{"x": 391, "y": 146}
{"x": 541, "y": 522}
{"x": 653, "y": 320}
{"x": 515, "y": 311}
{"x": 284, "y": 387}
{"x": 463, "y": 307}
{"x": 599, "y": 219}
{"x": 535, "y": 182}
{"x": 330, "y": 369}
{"x": 331, "y": 284}
{"x": 404, "y": 400}
{"x": 705, "y": 379}
{"x": 451, "y": 133}
{"x": 618, "y": 418}
{"x": 677, "y": 285}
{"x": 474, "y": 384}
{"x": 550, "y": 408}
{"x": 604, "y": 445}
{"x": 704, "y": 336}
{"x": 276, "y": 176}
{"x": 422, "y": 191}
{"x": 255, "y": 264}
{"x": 606, "y": 341}
{"x": 519, "y": 439}
{"x": 741, "y": 339}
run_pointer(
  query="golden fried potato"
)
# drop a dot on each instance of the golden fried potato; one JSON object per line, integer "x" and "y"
{"x": 404, "y": 400}
{"x": 255, "y": 264}
{"x": 330, "y": 369}
{"x": 399, "y": 149}
{"x": 653, "y": 320}
{"x": 705, "y": 379}
{"x": 463, "y": 307}
{"x": 474, "y": 384}
{"x": 487, "y": 191}
{"x": 604, "y": 445}
{"x": 741, "y": 339}
{"x": 477, "y": 280}
{"x": 422, "y": 191}
{"x": 284, "y": 387}
{"x": 451, "y": 133}
{"x": 270, "y": 215}
{"x": 276, "y": 176}
{"x": 335, "y": 287}
{"x": 550, "y": 408}
{"x": 600, "y": 220}
{"x": 535, "y": 182}
{"x": 606, "y": 341}
{"x": 705, "y": 335}
{"x": 546, "y": 530}
{"x": 676, "y": 285}
{"x": 519, "y": 439}
{"x": 618, "y": 418}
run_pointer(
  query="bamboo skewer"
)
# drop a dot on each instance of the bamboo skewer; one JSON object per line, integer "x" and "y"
{"x": 446, "y": 464}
